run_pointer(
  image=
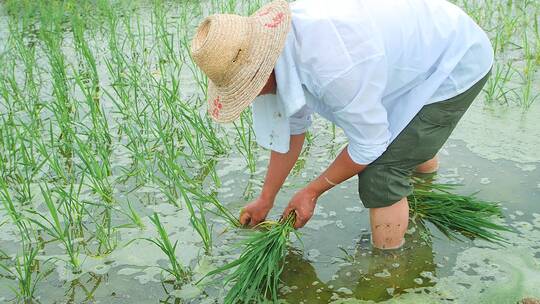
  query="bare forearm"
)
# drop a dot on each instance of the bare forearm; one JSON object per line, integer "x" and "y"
{"x": 279, "y": 167}
{"x": 339, "y": 171}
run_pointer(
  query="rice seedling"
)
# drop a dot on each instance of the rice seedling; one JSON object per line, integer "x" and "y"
{"x": 134, "y": 217}
{"x": 196, "y": 209}
{"x": 300, "y": 164}
{"x": 192, "y": 122}
{"x": 23, "y": 178}
{"x": 180, "y": 273}
{"x": 27, "y": 53}
{"x": 26, "y": 272}
{"x": 527, "y": 95}
{"x": 12, "y": 92}
{"x": 61, "y": 106}
{"x": 180, "y": 182}
{"x": 496, "y": 87}
{"x": 140, "y": 154}
{"x": 347, "y": 257}
{"x": 210, "y": 169}
{"x": 87, "y": 61}
{"x": 508, "y": 25}
{"x": 203, "y": 125}
{"x": 29, "y": 163}
{"x": 73, "y": 209}
{"x": 14, "y": 213}
{"x": 98, "y": 133}
{"x": 3, "y": 254}
{"x": 23, "y": 270}
{"x": 167, "y": 51}
{"x": 456, "y": 216}
{"x": 51, "y": 157}
{"x": 97, "y": 167}
{"x": 199, "y": 77}
{"x": 117, "y": 66}
{"x": 195, "y": 144}
{"x": 536, "y": 31}
{"x": 134, "y": 125}
{"x": 245, "y": 143}
{"x": 8, "y": 144}
{"x": 221, "y": 210}
{"x": 199, "y": 221}
{"x": 255, "y": 274}
{"x": 59, "y": 230}
{"x": 105, "y": 234}
{"x": 474, "y": 9}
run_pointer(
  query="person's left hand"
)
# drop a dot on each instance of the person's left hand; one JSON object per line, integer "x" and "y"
{"x": 303, "y": 203}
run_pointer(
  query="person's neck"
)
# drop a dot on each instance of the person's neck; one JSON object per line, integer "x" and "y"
{"x": 271, "y": 85}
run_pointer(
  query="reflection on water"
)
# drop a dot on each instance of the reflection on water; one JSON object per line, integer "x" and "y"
{"x": 366, "y": 274}
{"x": 82, "y": 289}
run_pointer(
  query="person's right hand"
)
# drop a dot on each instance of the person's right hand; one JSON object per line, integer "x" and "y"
{"x": 255, "y": 212}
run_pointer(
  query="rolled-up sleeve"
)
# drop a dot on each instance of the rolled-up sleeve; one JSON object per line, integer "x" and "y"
{"x": 300, "y": 121}
{"x": 355, "y": 101}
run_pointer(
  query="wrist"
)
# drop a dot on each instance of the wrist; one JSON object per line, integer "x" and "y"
{"x": 267, "y": 199}
{"x": 314, "y": 189}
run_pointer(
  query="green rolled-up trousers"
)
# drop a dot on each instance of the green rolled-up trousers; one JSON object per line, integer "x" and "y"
{"x": 388, "y": 179}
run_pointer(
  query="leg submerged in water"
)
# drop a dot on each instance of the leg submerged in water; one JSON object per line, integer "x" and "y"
{"x": 389, "y": 224}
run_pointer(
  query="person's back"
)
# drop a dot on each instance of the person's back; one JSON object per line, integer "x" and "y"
{"x": 441, "y": 37}
{"x": 432, "y": 49}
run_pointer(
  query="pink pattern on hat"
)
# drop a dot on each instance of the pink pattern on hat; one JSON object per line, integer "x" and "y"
{"x": 217, "y": 107}
{"x": 276, "y": 20}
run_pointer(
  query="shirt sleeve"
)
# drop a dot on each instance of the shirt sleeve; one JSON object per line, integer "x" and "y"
{"x": 354, "y": 98}
{"x": 300, "y": 121}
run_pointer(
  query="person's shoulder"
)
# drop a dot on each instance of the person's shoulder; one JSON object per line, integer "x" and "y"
{"x": 325, "y": 26}
{"x": 330, "y": 38}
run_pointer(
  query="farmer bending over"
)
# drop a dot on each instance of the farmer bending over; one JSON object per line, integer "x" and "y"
{"x": 396, "y": 76}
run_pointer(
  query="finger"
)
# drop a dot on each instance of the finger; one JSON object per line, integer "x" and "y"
{"x": 245, "y": 218}
{"x": 286, "y": 213}
{"x": 300, "y": 221}
{"x": 253, "y": 222}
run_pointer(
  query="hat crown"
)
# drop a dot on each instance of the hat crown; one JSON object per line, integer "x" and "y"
{"x": 220, "y": 46}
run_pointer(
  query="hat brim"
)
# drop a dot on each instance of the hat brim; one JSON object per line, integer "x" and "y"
{"x": 269, "y": 28}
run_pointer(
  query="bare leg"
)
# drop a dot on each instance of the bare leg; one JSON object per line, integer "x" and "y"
{"x": 389, "y": 224}
{"x": 429, "y": 166}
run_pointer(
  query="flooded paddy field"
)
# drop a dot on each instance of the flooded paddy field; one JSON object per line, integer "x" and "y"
{"x": 116, "y": 187}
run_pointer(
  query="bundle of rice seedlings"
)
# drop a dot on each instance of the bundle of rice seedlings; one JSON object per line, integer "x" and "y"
{"x": 455, "y": 215}
{"x": 256, "y": 273}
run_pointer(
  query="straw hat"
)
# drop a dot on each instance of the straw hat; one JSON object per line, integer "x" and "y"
{"x": 238, "y": 54}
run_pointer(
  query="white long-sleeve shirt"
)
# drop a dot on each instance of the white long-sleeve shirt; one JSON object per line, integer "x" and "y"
{"x": 369, "y": 66}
